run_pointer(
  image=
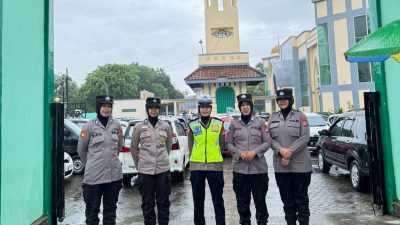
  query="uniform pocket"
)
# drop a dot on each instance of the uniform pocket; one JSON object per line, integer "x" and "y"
{"x": 294, "y": 130}
{"x": 98, "y": 139}
{"x": 273, "y": 129}
{"x": 163, "y": 138}
{"x": 255, "y": 136}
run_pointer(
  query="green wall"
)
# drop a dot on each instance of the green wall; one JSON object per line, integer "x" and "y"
{"x": 25, "y": 123}
{"x": 390, "y": 13}
{"x": 386, "y": 79}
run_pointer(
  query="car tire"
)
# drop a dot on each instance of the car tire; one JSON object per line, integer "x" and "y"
{"x": 126, "y": 180}
{"x": 78, "y": 165}
{"x": 323, "y": 165}
{"x": 358, "y": 181}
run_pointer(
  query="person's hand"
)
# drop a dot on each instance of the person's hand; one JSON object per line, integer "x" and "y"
{"x": 251, "y": 155}
{"x": 285, "y": 153}
{"x": 285, "y": 161}
{"x": 243, "y": 156}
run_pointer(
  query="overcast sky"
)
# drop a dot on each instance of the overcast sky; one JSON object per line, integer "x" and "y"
{"x": 163, "y": 33}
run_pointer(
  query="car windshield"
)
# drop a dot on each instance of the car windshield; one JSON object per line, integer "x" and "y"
{"x": 75, "y": 128}
{"x": 316, "y": 121}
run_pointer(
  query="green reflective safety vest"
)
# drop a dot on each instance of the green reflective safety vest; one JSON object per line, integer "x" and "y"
{"x": 206, "y": 142}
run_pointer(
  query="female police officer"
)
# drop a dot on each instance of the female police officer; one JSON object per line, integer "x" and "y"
{"x": 152, "y": 162}
{"x": 205, "y": 143}
{"x": 247, "y": 142}
{"x": 290, "y": 133}
{"x": 98, "y": 147}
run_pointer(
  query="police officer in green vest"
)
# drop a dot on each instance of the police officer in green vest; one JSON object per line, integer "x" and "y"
{"x": 205, "y": 144}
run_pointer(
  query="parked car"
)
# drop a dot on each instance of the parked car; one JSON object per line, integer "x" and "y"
{"x": 71, "y": 138}
{"x": 316, "y": 123}
{"x": 79, "y": 121}
{"x": 332, "y": 119}
{"x": 227, "y": 122}
{"x": 125, "y": 157}
{"x": 68, "y": 166}
{"x": 345, "y": 146}
{"x": 178, "y": 157}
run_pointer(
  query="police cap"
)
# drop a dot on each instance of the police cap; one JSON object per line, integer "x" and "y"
{"x": 104, "y": 99}
{"x": 153, "y": 101}
{"x": 244, "y": 98}
{"x": 285, "y": 93}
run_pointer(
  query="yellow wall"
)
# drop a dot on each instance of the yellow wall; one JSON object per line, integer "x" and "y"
{"x": 346, "y": 100}
{"x": 341, "y": 45}
{"x": 327, "y": 101}
{"x": 213, "y": 59}
{"x": 322, "y": 9}
{"x": 361, "y": 97}
{"x": 356, "y": 4}
{"x": 339, "y": 6}
{"x": 214, "y": 19}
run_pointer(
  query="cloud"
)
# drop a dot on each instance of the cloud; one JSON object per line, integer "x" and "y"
{"x": 162, "y": 34}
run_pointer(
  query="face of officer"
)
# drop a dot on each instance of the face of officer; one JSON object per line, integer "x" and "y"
{"x": 245, "y": 108}
{"x": 105, "y": 110}
{"x": 154, "y": 111}
{"x": 283, "y": 103}
{"x": 205, "y": 111}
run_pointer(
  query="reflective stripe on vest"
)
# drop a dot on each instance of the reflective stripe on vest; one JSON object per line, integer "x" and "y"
{"x": 206, "y": 142}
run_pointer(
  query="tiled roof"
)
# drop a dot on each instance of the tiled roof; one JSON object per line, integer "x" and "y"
{"x": 215, "y": 72}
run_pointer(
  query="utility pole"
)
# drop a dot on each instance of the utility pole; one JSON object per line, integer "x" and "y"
{"x": 66, "y": 86}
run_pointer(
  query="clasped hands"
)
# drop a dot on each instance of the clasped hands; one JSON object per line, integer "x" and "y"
{"x": 247, "y": 156}
{"x": 286, "y": 153}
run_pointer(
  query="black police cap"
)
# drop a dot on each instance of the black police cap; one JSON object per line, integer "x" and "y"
{"x": 244, "y": 98}
{"x": 104, "y": 99}
{"x": 153, "y": 101}
{"x": 285, "y": 93}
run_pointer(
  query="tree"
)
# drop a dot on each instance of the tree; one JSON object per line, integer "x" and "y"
{"x": 256, "y": 90}
{"x": 60, "y": 86}
{"x": 119, "y": 80}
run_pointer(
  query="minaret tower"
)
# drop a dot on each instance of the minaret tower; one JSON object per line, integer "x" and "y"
{"x": 222, "y": 27}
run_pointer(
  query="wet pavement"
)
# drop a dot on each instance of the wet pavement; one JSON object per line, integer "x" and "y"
{"x": 332, "y": 202}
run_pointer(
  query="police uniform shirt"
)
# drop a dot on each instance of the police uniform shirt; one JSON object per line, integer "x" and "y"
{"x": 250, "y": 137}
{"x": 155, "y": 145}
{"x": 292, "y": 133}
{"x": 98, "y": 148}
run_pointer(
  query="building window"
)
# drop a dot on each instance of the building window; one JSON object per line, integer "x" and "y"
{"x": 323, "y": 48}
{"x": 220, "y": 5}
{"x": 128, "y": 110}
{"x": 362, "y": 29}
{"x": 304, "y": 84}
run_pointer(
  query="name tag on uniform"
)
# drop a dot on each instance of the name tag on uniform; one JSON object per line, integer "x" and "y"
{"x": 144, "y": 134}
{"x": 214, "y": 128}
{"x": 197, "y": 130}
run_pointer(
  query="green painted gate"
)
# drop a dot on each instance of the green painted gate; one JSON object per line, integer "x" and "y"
{"x": 225, "y": 98}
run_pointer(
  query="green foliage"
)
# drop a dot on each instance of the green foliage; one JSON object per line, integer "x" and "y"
{"x": 60, "y": 86}
{"x": 338, "y": 111}
{"x": 125, "y": 81}
{"x": 256, "y": 90}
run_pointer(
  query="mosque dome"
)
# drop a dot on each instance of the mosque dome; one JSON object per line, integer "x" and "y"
{"x": 276, "y": 50}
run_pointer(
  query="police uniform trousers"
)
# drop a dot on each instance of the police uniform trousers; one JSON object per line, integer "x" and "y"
{"x": 155, "y": 189}
{"x": 293, "y": 188}
{"x": 246, "y": 185}
{"x": 92, "y": 195}
{"x": 216, "y": 183}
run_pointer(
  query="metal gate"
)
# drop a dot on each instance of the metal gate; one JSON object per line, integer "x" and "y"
{"x": 225, "y": 98}
{"x": 376, "y": 168}
{"x": 57, "y": 182}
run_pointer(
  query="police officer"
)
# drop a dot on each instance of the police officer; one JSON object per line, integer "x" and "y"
{"x": 100, "y": 141}
{"x": 290, "y": 133}
{"x": 206, "y": 163}
{"x": 247, "y": 142}
{"x": 152, "y": 163}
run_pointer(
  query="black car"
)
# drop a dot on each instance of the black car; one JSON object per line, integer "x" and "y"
{"x": 345, "y": 146}
{"x": 71, "y": 138}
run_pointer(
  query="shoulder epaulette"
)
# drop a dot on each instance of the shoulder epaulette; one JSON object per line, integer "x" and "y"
{"x": 217, "y": 118}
